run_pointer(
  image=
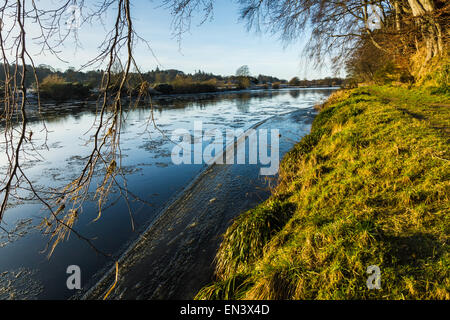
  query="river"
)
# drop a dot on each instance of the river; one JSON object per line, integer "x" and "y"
{"x": 171, "y": 193}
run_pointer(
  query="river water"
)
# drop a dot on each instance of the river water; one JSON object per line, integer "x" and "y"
{"x": 25, "y": 270}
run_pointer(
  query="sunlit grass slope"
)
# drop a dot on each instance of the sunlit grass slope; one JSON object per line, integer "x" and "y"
{"x": 368, "y": 186}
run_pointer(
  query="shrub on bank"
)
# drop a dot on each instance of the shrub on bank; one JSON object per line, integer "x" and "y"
{"x": 295, "y": 81}
{"x": 439, "y": 79}
{"x": 244, "y": 83}
{"x": 164, "y": 88}
{"x": 390, "y": 73}
{"x": 56, "y": 88}
{"x": 185, "y": 85}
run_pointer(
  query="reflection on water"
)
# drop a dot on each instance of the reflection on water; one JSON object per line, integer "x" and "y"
{"x": 150, "y": 176}
{"x": 243, "y": 102}
{"x": 294, "y": 93}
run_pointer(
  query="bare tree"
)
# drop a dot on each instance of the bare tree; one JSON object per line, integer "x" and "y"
{"x": 335, "y": 27}
{"x": 64, "y": 204}
{"x": 243, "y": 71}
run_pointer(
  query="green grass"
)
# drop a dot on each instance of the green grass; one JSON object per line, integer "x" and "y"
{"x": 368, "y": 186}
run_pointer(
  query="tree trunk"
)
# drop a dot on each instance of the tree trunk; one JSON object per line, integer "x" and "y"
{"x": 397, "y": 16}
{"x": 424, "y": 12}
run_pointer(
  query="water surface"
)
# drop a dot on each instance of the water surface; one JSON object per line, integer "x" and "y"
{"x": 25, "y": 270}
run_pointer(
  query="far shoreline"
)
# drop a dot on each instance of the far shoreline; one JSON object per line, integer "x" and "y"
{"x": 167, "y": 97}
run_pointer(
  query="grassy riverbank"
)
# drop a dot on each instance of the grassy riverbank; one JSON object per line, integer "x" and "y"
{"x": 368, "y": 186}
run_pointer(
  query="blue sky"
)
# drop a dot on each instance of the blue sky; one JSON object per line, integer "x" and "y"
{"x": 219, "y": 46}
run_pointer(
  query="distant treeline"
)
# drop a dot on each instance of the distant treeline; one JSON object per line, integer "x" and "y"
{"x": 94, "y": 77}
{"x": 326, "y": 82}
{"x": 73, "y": 84}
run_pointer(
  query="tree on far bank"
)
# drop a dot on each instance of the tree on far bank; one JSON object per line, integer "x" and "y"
{"x": 243, "y": 71}
{"x": 295, "y": 81}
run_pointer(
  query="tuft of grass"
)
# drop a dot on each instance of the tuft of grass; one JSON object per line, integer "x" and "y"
{"x": 245, "y": 239}
{"x": 368, "y": 186}
{"x": 231, "y": 288}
